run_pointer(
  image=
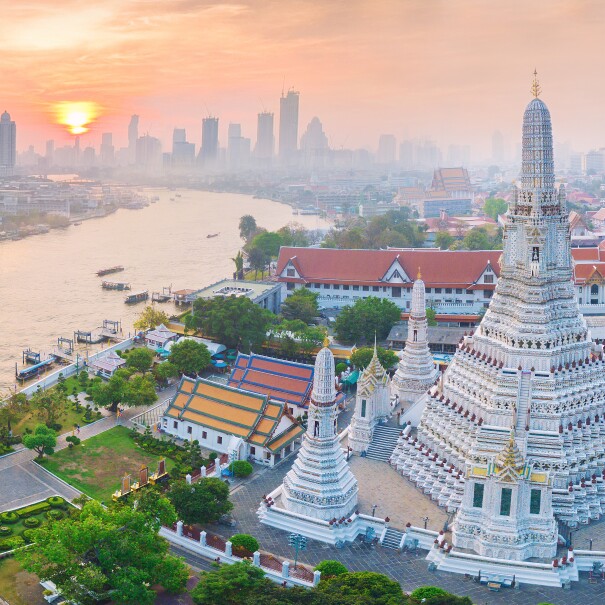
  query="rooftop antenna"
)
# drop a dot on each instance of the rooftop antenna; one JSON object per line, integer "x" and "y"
{"x": 535, "y": 87}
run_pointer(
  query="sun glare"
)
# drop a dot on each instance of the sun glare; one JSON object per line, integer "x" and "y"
{"x": 76, "y": 116}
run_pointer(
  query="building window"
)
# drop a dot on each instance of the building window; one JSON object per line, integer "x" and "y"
{"x": 429, "y": 290}
{"x": 458, "y": 290}
{"x": 363, "y": 408}
{"x": 478, "y": 490}
{"x": 308, "y": 285}
{"x": 580, "y": 289}
{"x": 366, "y": 288}
{"x": 317, "y": 286}
{"x": 488, "y": 279}
{"x": 290, "y": 286}
{"x": 535, "y": 500}
{"x": 488, "y": 269}
{"x": 189, "y": 430}
{"x": 204, "y": 435}
{"x": 219, "y": 440}
{"x": 437, "y": 290}
{"x": 345, "y": 287}
{"x": 336, "y": 286}
{"x": 290, "y": 273}
{"x": 356, "y": 288}
{"x": 252, "y": 451}
{"x": 268, "y": 455}
{"x": 448, "y": 290}
{"x": 175, "y": 424}
{"x": 396, "y": 292}
{"x": 375, "y": 288}
{"x": 326, "y": 286}
{"x": 505, "y": 499}
{"x": 487, "y": 293}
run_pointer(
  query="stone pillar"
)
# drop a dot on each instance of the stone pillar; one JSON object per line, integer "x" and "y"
{"x": 179, "y": 528}
{"x": 256, "y": 559}
{"x": 203, "y": 538}
{"x": 203, "y": 471}
{"x": 228, "y": 551}
{"x": 188, "y": 478}
{"x": 316, "y": 578}
{"x": 285, "y": 569}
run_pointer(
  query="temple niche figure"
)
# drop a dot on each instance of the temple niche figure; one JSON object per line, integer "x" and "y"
{"x": 416, "y": 371}
{"x": 320, "y": 484}
{"x": 372, "y": 404}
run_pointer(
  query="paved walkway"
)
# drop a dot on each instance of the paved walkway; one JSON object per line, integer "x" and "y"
{"x": 25, "y": 482}
{"x": 411, "y": 570}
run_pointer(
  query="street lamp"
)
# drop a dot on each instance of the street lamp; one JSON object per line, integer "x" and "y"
{"x": 298, "y": 542}
{"x": 374, "y": 507}
{"x": 426, "y": 520}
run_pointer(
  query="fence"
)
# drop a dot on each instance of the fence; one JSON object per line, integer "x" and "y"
{"x": 218, "y": 549}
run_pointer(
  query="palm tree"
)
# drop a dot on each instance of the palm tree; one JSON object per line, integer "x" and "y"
{"x": 239, "y": 265}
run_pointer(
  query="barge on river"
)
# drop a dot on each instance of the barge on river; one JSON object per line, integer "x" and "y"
{"x": 109, "y": 270}
{"x": 136, "y": 297}
{"x": 115, "y": 285}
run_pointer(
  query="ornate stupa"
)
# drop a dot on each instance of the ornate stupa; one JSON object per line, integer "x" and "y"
{"x": 531, "y": 366}
{"x": 416, "y": 371}
{"x": 372, "y": 404}
{"x": 320, "y": 484}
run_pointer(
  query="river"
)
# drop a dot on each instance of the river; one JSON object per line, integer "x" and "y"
{"x": 48, "y": 286}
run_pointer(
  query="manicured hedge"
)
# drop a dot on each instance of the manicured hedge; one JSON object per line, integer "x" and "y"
{"x": 241, "y": 468}
{"x": 5, "y": 530}
{"x": 9, "y": 517}
{"x": 28, "y": 535}
{"x": 34, "y": 509}
{"x": 56, "y": 502}
{"x": 31, "y": 522}
{"x": 244, "y": 541}
{"x": 11, "y": 543}
{"x": 55, "y": 515}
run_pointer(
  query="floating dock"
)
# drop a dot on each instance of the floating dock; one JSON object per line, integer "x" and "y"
{"x": 164, "y": 296}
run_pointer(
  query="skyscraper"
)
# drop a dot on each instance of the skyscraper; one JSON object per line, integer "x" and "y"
{"x": 497, "y": 147}
{"x": 50, "y": 152}
{"x": 265, "y": 142}
{"x": 209, "y": 150}
{"x": 288, "y": 127}
{"x": 387, "y": 145}
{"x": 107, "y": 149}
{"x": 8, "y": 144}
{"x": 183, "y": 153}
{"x": 133, "y": 135}
{"x": 314, "y": 145}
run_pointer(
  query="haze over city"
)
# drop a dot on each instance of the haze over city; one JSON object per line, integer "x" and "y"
{"x": 450, "y": 71}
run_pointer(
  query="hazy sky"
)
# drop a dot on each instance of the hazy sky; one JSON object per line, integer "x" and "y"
{"x": 453, "y": 70}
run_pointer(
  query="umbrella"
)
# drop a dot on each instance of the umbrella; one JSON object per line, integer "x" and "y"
{"x": 219, "y": 364}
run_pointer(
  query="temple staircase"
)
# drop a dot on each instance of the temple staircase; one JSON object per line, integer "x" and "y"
{"x": 392, "y": 539}
{"x": 383, "y": 442}
{"x": 523, "y": 402}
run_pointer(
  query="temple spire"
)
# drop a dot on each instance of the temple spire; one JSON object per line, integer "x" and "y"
{"x": 535, "y": 87}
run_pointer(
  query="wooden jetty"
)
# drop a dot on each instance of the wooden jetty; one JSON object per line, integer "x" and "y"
{"x": 164, "y": 296}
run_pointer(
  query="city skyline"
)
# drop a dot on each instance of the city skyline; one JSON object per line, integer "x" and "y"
{"x": 362, "y": 72}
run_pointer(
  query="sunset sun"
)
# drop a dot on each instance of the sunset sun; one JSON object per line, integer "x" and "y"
{"x": 76, "y": 116}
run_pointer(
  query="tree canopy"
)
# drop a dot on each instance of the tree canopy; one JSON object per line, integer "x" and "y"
{"x": 301, "y": 304}
{"x": 269, "y": 242}
{"x": 363, "y": 588}
{"x": 234, "y": 321}
{"x": 202, "y": 502}
{"x": 247, "y": 227}
{"x": 123, "y": 388}
{"x": 366, "y": 318}
{"x": 444, "y": 240}
{"x": 48, "y": 405}
{"x": 15, "y": 405}
{"x": 479, "y": 238}
{"x": 150, "y": 318}
{"x": 294, "y": 337}
{"x": 494, "y": 206}
{"x": 107, "y": 554}
{"x": 140, "y": 359}
{"x": 43, "y": 441}
{"x": 361, "y": 357}
{"x": 189, "y": 357}
{"x": 258, "y": 260}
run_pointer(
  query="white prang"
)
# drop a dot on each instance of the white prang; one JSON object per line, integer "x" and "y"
{"x": 531, "y": 367}
{"x": 320, "y": 484}
{"x": 416, "y": 371}
{"x": 372, "y": 404}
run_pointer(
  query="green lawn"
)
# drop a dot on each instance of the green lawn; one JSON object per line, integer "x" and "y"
{"x": 97, "y": 465}
{"x": 67, "y": 419}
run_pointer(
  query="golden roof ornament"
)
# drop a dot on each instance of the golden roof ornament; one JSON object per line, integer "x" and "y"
{"x": 326, "y": 342}
{"x": 535, "y": 87}
{"x": 419, "y": 275}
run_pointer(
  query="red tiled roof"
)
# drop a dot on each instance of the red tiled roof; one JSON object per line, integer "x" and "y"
{"x": 585, "y": 254}
{"x": 368, "y": 267}
{"x": 281, "y": 380}
{"x": 584, "y": 272}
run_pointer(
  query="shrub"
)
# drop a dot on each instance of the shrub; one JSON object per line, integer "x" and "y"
{"x": 213, "y": 456}
{"x": 33, "y": 509}
{"x": 55, "y": 515}
{"x": 9, "y": 517}
{"x": 31, "y": 522}
{"x": 5, "y": 530}
{"x": 73, "y": 440}
{"x": 28, "y": 535}
{"x": 241, "y": 468}
{"x": 244, "y": 542}
{"x": 56, "y": 501}
{"x": 340, "y": 368}
{"x": 11, "y": 543}
{"x": 428, "y": 592}
{"x": 330, "y": 568}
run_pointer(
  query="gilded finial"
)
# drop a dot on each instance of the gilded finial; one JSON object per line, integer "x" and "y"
{"x": 535, "y": 87}
{"x": 326, "y": 341}
{"x": 419, "y": 276}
